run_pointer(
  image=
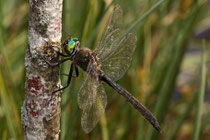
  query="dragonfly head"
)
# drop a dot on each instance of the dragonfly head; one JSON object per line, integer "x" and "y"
{"x": 71, "y": 45}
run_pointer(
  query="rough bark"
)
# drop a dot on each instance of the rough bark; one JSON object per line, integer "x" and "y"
{"x": 40, "y": 113}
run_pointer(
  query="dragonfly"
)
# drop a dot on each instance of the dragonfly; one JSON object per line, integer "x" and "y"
{"x": 107, "y": 63}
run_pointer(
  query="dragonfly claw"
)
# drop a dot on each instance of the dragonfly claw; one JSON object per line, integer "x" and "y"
{"x": 49, "y": 63}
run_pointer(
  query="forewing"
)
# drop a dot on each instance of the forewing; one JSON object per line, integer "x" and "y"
{"x": 111, "y": 33}
{"x": 92, "y": 113}
{"x": 116, "y": 63}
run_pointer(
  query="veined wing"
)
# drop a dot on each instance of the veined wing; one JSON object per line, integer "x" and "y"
{"x": 111, "y": 34}
{"x": 116, "y": 63}
{"x": 87, "y": 92}
{"x": 88, "y": 89}
{"x": 93, "y": 112}
{"x": 92, "y": 99}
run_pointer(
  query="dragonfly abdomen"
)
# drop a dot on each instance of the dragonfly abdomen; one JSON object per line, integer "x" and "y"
{"x": 133, "y": 101}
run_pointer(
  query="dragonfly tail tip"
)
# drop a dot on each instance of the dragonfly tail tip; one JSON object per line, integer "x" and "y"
{"x": 157, "y": 127}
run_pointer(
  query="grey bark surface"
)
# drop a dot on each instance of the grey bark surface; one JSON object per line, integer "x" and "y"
{"x": 40, "y": 113}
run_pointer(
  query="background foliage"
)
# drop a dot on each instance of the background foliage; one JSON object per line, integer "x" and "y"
{"x": 165, "y": 73}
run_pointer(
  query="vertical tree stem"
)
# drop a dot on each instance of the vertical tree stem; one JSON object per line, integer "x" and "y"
{"x": 40, "y": 113}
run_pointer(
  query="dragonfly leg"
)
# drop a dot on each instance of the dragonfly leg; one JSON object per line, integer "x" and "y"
{"x": 61, "y": 54}
{"x": 76, "y": 70}
{"x": 57, "y": 63}
{"x": 69, "y": 79}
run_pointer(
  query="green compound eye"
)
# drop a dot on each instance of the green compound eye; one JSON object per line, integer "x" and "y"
{"x": 72, "y": 44}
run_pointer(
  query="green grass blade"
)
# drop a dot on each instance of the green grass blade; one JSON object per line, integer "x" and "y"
{"x": 178, "y": 123}
{"x": 90, "y": 21}
{"x": 200, "y": 98}
{"x": 185, "y": 27}
{"x": 205, "y": 122}
{"x": 104, "y": 130}
{"x": 6, "y": 106}
{"x": 140, "y": 19}
{"x": 94, "y": 32}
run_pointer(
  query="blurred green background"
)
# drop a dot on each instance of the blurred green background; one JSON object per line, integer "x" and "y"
{"x": 165, "y": 74}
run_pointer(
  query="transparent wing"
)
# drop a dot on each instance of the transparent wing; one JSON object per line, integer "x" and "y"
{"x": 87, "y": 91}
{"x": 111, "y": 34}
{"x": 116, "y": 63}
{"x": 92, "y": 113}
{"x": 91, "y": 99}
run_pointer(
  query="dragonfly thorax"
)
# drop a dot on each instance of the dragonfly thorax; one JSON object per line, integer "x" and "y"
{"x": 84, "y": 56}
{"x": 70, "y": 46}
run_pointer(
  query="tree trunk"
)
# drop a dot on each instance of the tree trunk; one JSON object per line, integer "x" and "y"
{"x": 40, "y": 113}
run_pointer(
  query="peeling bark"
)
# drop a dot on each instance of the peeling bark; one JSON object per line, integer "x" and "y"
{"x": 40, "y": 113}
